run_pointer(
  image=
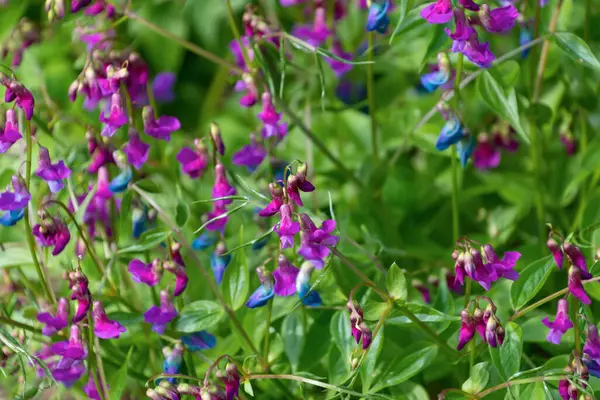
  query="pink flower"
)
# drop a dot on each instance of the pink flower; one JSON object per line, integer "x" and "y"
{"x": 103, "y": 327}
{"x": 287, "y": 228}
{"x": 561, "y": 323}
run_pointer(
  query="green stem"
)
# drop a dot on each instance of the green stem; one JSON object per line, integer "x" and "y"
{"x": 208, "y": 277}
{"x": 467, "y": 292}
{"x": 472, "y": 354}
{"x": 575, "y": 319}
{"x": 184, "y": 43}
{"x": 92, "y": 360}
{"x": 268, "y": 334}
{"x": 376, "y": 330}
{"x": 28, "y": 231}
{"x": 353, "y": 267}
{"x": 536, "y": 34}
{"x": 17, "y": 324}
{"x": 535, "y": 153}
{"x": 429, "y": 332}
{"x": 371, "y": 98}
{"x": 517, "y": 382}
{"x": 454, "y": 165}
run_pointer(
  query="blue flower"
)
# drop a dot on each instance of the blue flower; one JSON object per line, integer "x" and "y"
{"x": 218, "y": 263}
{"x": 138, "y": 221}
{"x": 440, "y": 76}
{"x": 303, "y": 286}
{"x": 12, "y": 217}
{"x": 121, "y": 181}
{"x": 451, "y": 133}
{"x": 377, "y": 20}
{"x": 204, "y": 241}
{"x": 173, "y": 360}
{"x": 524, "y": 38}
{"x": 201, "y": 340}
{"x": 261, "y": 296}
{"x": 259, "y": 244}
{"x": 464, "y": 148}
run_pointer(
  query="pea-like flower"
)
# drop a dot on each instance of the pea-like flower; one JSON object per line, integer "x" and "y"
{"x": 160, "y": 316}
{"x": 285, "y": 277}
{"x": 72, "y": 348}
{"x": 467, "y": 329}
{"x": 116, "y": 116}
{"x": 136, "y": 150}
{"x": 439, "y": 12}
{"x": 10, "y": 134}
{"x": 103, "y": 327}
{"x": 265, "y": 292}
{"x": 576, "y": 286}
{"x": 173, "y": 360}
{"x": 193, "y": 161}
{"x": 315, "y": 241}
{"x": 162, "y": 87}
{"x": 287, "y": 228}
{"x": 557, "y": 252}
{"x": 200, "y": 340}
{"x": 160, "y": 128}
{"x": 14, "y": 201}
{"x": 303, "y": 288}
{"x": 498, "y": 20}
{"x": 15, "y": 91}
{"x": 561, "y": 323}
{"x": 219, "y": 261}
{"x": 317, "y": 32}
{"x": 149, "y": 274}
{"x": 52, "y": 232}
{"x": 377, "y": 19}
{"x": 54, "y": 323}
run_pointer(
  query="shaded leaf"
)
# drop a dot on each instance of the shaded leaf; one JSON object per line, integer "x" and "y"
{"x": 577, "y": 49}
{"x": 530, "y": 282}
{"x": 199, "y": 315}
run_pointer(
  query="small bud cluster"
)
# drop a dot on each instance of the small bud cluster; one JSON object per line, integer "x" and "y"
{"x": 485, "y": 323}
{"x": 360, "y": 330}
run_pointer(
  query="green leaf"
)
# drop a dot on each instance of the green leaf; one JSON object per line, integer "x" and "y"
{"x": 293, "y": 330}
{"x": 236, "y": 280}
{"x": 367, "y": 369}
{"x": 117, "y": 383}
{"x": 438, "y": 41}
{"x": 577, "y": 49}
{"x": 248, "y": 388}
{"x": 505, "y": 105}
{"x": 149, "y": 240}
{"x": 182, "y": 213}
{"x": 148, "y": 185}
{"x": 125, "y": 223}
{"x": 199, "y": 315}
{"x": 405, "y": 7}
{"x": 396, "y": 284}
{"x": 341, "y": 332}
{"x": 530, "y": 282}
{"x": 478, "y": 379}
{"x": 425, "y": 313}
{"x": 417, "y": 357}
{"x": 507, "y": 358}
{"x": 15, "y": 257}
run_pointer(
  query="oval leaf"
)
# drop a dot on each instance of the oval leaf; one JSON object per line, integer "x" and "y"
{"x": 293, "y": 331}
{"x": 199, "y": 315}
{"x": 531, "y": 281}
{"x": 577, "y": 49}
{"x": 236, "y": 280}
{"x": 396, "y": 284}
{"x": 148, "y": 241}
{"x": 478, "y": 379}
{"x": 507, "y": 358}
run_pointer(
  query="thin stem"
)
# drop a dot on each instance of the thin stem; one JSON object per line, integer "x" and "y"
{"x": 535, "y": 153}
{"x": 472, "y": 354}
{"x": 17, "y": 324}
{"x": 353, "y": 267}
{"x": 268, "y": 334}
{"x": 315, "y": 139}
{"x": 575, "y": 319}
{"x": 545, "y": 48}
{"x": 376, "y": 330}
{"x": 184, "y": 43}
{"x": 371, "y": 98}
{"x": 454, "y": 164}
{"x": 429, "y": 332}
{"x": 236, "y": 33}
{"x": 28, "y": 231}
{"x": 548, "y": 298}
{"x": 536, "y": 34}
{"x": 208, "y": 277}
{"x": 101, "y": 373}
{"x": 92, "y": 358}
{"x": 517, "y": 382}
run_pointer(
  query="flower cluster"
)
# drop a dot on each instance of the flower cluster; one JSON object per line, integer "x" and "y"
{"x": 569, "y": 389}
{"x": 467, "y": 15}
{"x": 23, "y": 35}
{"x": 485, "y": 323}
{"x": 577, "y": 265}
{"x": 487, "y": 152}
{"x": 483, "y": 266}
{"x": 360, "y": 330}
{"x": 454, "y": 133}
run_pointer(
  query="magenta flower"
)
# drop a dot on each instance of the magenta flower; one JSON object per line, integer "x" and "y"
{"x": 592, "y": 343}
{"x": 561, "y": 323}
{"x": 159, "y": 317}
{"x": 102, "y": 186}
{"x": 78, "y": 284}
{"x": 231, "y": 380}
{"x": 297, "y": 183}
{"x": 315, "y": 241}
{"x": 467, "y": 329}
{"x": 103, "y": 327}
{"x": 160, "y": 128}
{"x": 486, "y": 154}
{"x": 16, "y": 199}
{"x": 193, "y": 161}
{"x": 285, "y": 277}
{"x": 480, "y": 318}
{"x": 52, "y": 323}
{"x": 100, "y": 6}
{"x": 181, "y": 277}
{"x": 494, "y": 333}
{"x": 72, "y": 348}
{"x": 136, "y": 150}
{"x": 68, "y": 371}
{"x": 52, "y": 232}
{"x": 117, "y": 117}
{"x": 479, "y": 54}
{"x": 439, "y": 12}
{"x": 568, "y": 142}
{"x": 219, "y": 223}
{"x": 277, "y": 201}
{"x": 246, "y": 84}
{"x": 317, "y": 32}
{"x": 462, "y": 30}
{"x": 469, "y": 5}
{"x": 90, "y": 388}
{"x": 149, "y": 274}
{"x": 222, "y": 188}
{"x": 16, "y": 91}
{"x": 11, "y": 134}
{"x": 577, "y": 259}
{"x": 498, "y": 20}
{"x": 576, "y": 286}
{"x": 504, "y": 268}
{"x": 287, "y": 228}
{"x": 268, "y": 114}
{"x": 339, "y": 68}
{"x": 556, "y": 251}
{"x": 52, "y": 173}
{"x": 162, "y": 87}
{"x": 360, "y": 330}
{"x": 251, "y": 155}
{"x": 424, "y": 290}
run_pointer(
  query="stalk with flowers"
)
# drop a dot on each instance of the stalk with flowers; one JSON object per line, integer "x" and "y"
{"x": 234, "y": 200}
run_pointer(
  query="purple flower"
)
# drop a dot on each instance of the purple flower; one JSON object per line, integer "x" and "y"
{"x": 218, "y": 224}
{"x": 18, "y": 92}
{"x": 173, "y": 360}
{"x": 360, "y": 330}
{"x": 339, "y": 68}
{"x": 117, "y": 117}
{"x": 287, "y": 228}
{"x": 54, "y": 324}
{"x": 462, "y": 30}
{"x": 52, "y": 232}
{"x": 505, "y": 267}
{"x": 285, "y": 277}
{"x": 377, "y": 19}
{"x": 90, "y": 388}
{"x": 52, "y": 173}
{"x": 98, "y": 7}
{"x": 160, "y": 128}
{"x": 577, "y": 259}
{"x": 424, "y": 290}
{"x": 219, "y": 261}
{"x": 247, "y": 84}
{"x": 80, "y": 292}
{"x": 467, "y": 329}
{"x": 231, "y": 380}
{"x": 136, "y": 150}
{"x": 556, "y": 251}
{"x": 103, "y": 327}
{"x": 439, "y": 12}
{"x": 481, "y": 320}
{"x": 561, "y": 323}
{"x": 72, "y": 348}
{"x": 316, "y": 33}
{"x": 268, "y": 114}
{"x": 298, "y": 182}
{"x": 486, "y": 154}
{"x": 592, "y": 343}
{"x": 102, "y": 186}
{"x": 162, "y": 87}
{"x": 265, "y": 292}
{"x": 469, "y": 5}
{"x": 149, "y": 274}
{"x": 498, "y": 20}
{"x": 576, "y": 287}
{"x": 181, "y": 277}
{"x": 568, "y": 142}
{"x": 450, "y": 134}
{"x": 159, "y": 317}
{"x": 16, "y": 199}
{"x": 68, "y": 371}
{"x": 193, "y": 161}
{"x": 217, "y": 139}
{"x": 251, "y": 155}
{"x": 222, "y": 188}
{"x": 315, "y": 242}
{"x": 197, "y": 341}
{"x": 479, "y": 54}
{"x": 494, "y": 333}
{"x": 440, "y": 76}
{"x": 277, "y": 201}
{"x": 11, "y": 134}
